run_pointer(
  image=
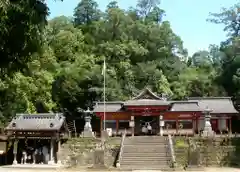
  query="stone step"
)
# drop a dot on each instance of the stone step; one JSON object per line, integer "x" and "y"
{"x": 144, "y": 162}
{"x": 145, "y": 159}
{"x": 146, "y": 144}
{"x": 148, "y": 149}
{"x": 137, "y": 147}
{"x": 153, "y": 159}
{"x": 155, "y": 167}
{"x": 144, "y": 153}
{"x": 148, "y": 165}
{"x": 148, "y": 157}
{"x": 146, "y": 140}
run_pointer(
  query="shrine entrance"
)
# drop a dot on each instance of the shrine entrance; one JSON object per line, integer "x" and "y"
{"x": 146, "y": 125}
{"x": 36, "y": 138}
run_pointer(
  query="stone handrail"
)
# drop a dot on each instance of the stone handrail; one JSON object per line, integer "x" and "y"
{"x": 121, "y": 148}
{"x": 171, "y": 151}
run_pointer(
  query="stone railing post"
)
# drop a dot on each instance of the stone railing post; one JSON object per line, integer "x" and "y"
{"x": 171, "y": 151}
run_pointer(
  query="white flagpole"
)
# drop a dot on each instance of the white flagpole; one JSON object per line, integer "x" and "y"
{"x": 104, "y": 94}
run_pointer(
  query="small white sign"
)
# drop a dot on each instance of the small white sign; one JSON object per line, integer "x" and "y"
{"x": 109, "y": 131}
{"x": 162, "y": 123}
{"x": 131, "y": 123}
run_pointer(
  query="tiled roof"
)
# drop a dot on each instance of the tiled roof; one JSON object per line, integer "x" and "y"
{"x": 147, "y": 93}
{"x": 185, "y": 106}
{"x": 146, "y": 102}
{"x": 109, "y": 107}
{"x": 216, "y": 104}
{"x": 44, "y": 121}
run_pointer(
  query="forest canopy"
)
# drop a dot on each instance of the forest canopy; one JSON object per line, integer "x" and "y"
{"x": 56, "y": 64}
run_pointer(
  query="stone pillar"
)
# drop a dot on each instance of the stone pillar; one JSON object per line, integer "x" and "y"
{"x": 132, "y": 124}
{"x": 58, "y": 152}
{"x": 161, "y": 124}
{"x": 207, "y": 131}
{"x": 87, "y": 132}
{"x": 15, "y": 148}
{"x": 51, "y": 160}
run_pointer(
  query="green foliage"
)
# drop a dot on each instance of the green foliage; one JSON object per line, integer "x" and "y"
{"x": 58, "y": 65}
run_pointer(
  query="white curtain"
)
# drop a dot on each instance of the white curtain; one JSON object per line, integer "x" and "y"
{"x": 194, "y": 124}
{"x": 110, "y": 124}
{"x": 200, "y": 124}
{"x": 222, "y": 124}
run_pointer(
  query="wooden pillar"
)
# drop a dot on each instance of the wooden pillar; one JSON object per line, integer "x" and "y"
{"x": 230, "y": 125}
{"x": 51, "y": 160}
{"x": 58, "y": 152}
{"x": 226, "y": 124}
{"x": 193, "y": 125}
{"x": 196, "y": 124}
{"x": 133, "y": 122}
{"x": 101, "y": 126}
{"x": 177, "y": 125}
{"x": 34, "y": 154}
{"x": 117, "y": 127}
{"x": 6, "y": 153}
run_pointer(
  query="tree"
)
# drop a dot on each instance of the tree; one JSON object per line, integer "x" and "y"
{"x": 86, "y": 12}
{"x": 22, "y": 23}
{"x": 229, "y": 48}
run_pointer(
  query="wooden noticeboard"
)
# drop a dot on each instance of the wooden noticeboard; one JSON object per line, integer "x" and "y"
{"x": 117, "y": 116}
{"x": 176, "y": 116}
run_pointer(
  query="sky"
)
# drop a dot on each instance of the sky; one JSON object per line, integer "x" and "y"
{"x": 187, "y": 18}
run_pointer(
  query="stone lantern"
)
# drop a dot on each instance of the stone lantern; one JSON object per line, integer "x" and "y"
{"x": 87, "y": 132}
{"x": 161, "y": 125}
{"x": 207, "y": 131}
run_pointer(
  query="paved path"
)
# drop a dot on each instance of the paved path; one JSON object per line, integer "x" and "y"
{"x": 65, "y": 170}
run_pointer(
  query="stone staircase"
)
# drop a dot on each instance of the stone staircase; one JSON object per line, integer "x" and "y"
{"x": 145, "y": 152}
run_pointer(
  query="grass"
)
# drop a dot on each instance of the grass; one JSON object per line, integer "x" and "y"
{"x": 180, "y": 143}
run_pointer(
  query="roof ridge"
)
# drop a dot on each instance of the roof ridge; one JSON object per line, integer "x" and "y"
{"x": 202, "y": 98}
{"x": 186, "y": 101}
{"x": 144, "y": 91}
{"x": 111, "y": 102}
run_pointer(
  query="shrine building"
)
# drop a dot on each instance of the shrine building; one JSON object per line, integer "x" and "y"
{"x": 180, "y": 117}
{"x": 28, "y": 134}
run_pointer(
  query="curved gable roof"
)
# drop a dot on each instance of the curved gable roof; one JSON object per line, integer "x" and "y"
{"x": 42, "y": 121}
{"x": 147, "y": 94}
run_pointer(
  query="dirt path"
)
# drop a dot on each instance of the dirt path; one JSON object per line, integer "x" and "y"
{"x": 47, "y": 170}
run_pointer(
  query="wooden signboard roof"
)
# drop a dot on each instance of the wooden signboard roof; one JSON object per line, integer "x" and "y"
{"x": 38, "y": 122}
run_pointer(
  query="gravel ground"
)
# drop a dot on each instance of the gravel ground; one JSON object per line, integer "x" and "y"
{"x": 58, "y": 170}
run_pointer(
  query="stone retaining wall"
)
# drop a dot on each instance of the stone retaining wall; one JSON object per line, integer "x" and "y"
{"x": 207, "y": 152}
{"x": 81, "y": 151}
